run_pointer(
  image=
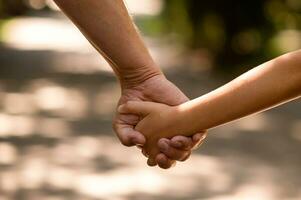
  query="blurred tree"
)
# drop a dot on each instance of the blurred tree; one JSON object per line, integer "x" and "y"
{"x": 235, "y": 32}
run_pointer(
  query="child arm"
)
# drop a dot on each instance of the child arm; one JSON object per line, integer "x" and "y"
{"x": 261, "y": 88}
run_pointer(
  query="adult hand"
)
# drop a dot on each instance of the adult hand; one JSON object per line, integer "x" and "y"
{"x": 155, "y": 89}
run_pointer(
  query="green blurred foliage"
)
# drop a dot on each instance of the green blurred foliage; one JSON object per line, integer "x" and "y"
{"x": 236, "y": 33}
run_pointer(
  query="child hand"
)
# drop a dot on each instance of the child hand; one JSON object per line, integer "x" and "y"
{"x": 156, "y": 121}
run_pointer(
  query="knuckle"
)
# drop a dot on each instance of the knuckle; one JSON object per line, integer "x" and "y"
{"x": 179, "y": 155}
{"x": 175, "y": 154}
{"x": 128, "y": 104}
{"x": 182, "y": 143}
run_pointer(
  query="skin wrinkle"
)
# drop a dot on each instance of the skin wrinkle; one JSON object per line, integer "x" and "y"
{"x": 259, "y": 89}
{"x": 110, "y": 29}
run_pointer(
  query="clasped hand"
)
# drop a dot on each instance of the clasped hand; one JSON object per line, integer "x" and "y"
{"x": 158, "y": 121}
{"x": 167, "y": 150}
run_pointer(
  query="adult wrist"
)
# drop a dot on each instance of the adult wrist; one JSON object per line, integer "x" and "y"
{"x": 139, "y": 75}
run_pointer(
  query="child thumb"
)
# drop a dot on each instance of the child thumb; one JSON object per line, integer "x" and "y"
{"x": 135, "y": 107}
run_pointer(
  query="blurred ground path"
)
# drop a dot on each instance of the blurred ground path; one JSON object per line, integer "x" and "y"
{"x": 57, "y": 98}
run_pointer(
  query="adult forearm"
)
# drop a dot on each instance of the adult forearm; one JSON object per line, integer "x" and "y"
{"x": 109, "y": 28}
{"x": 261, "y": 88}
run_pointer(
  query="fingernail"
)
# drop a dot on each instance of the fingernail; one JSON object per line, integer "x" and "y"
{"x": 164, "y": 147}
{"x": 151, "y": 162}
{"x": 204, "y": 137}
{"x": 137, "y": 142}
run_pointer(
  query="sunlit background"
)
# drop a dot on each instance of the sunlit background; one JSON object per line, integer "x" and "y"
{"x": 58, "y": 96}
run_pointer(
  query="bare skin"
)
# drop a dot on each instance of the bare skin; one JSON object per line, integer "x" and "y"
{"x": 109, "y": 28}
{"x": 157, "y": 89}
{"x": 268, "y": 85}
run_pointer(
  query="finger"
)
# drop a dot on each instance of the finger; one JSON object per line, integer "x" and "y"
{"x": 171, "y": 152}
{"x": 152, "y": 151}
{"x": 136, "y": 107}
{"x": 151, "y": 162}
{"x": 128, "y": 136}
{"x": 198, "y": 139}
{"x": 144, "y": 153}
{"x": 124, "y": 128}
{"x": 184, "y": 158}
{"x": 164, "y": 162}
{"x": 181, "y": 142}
